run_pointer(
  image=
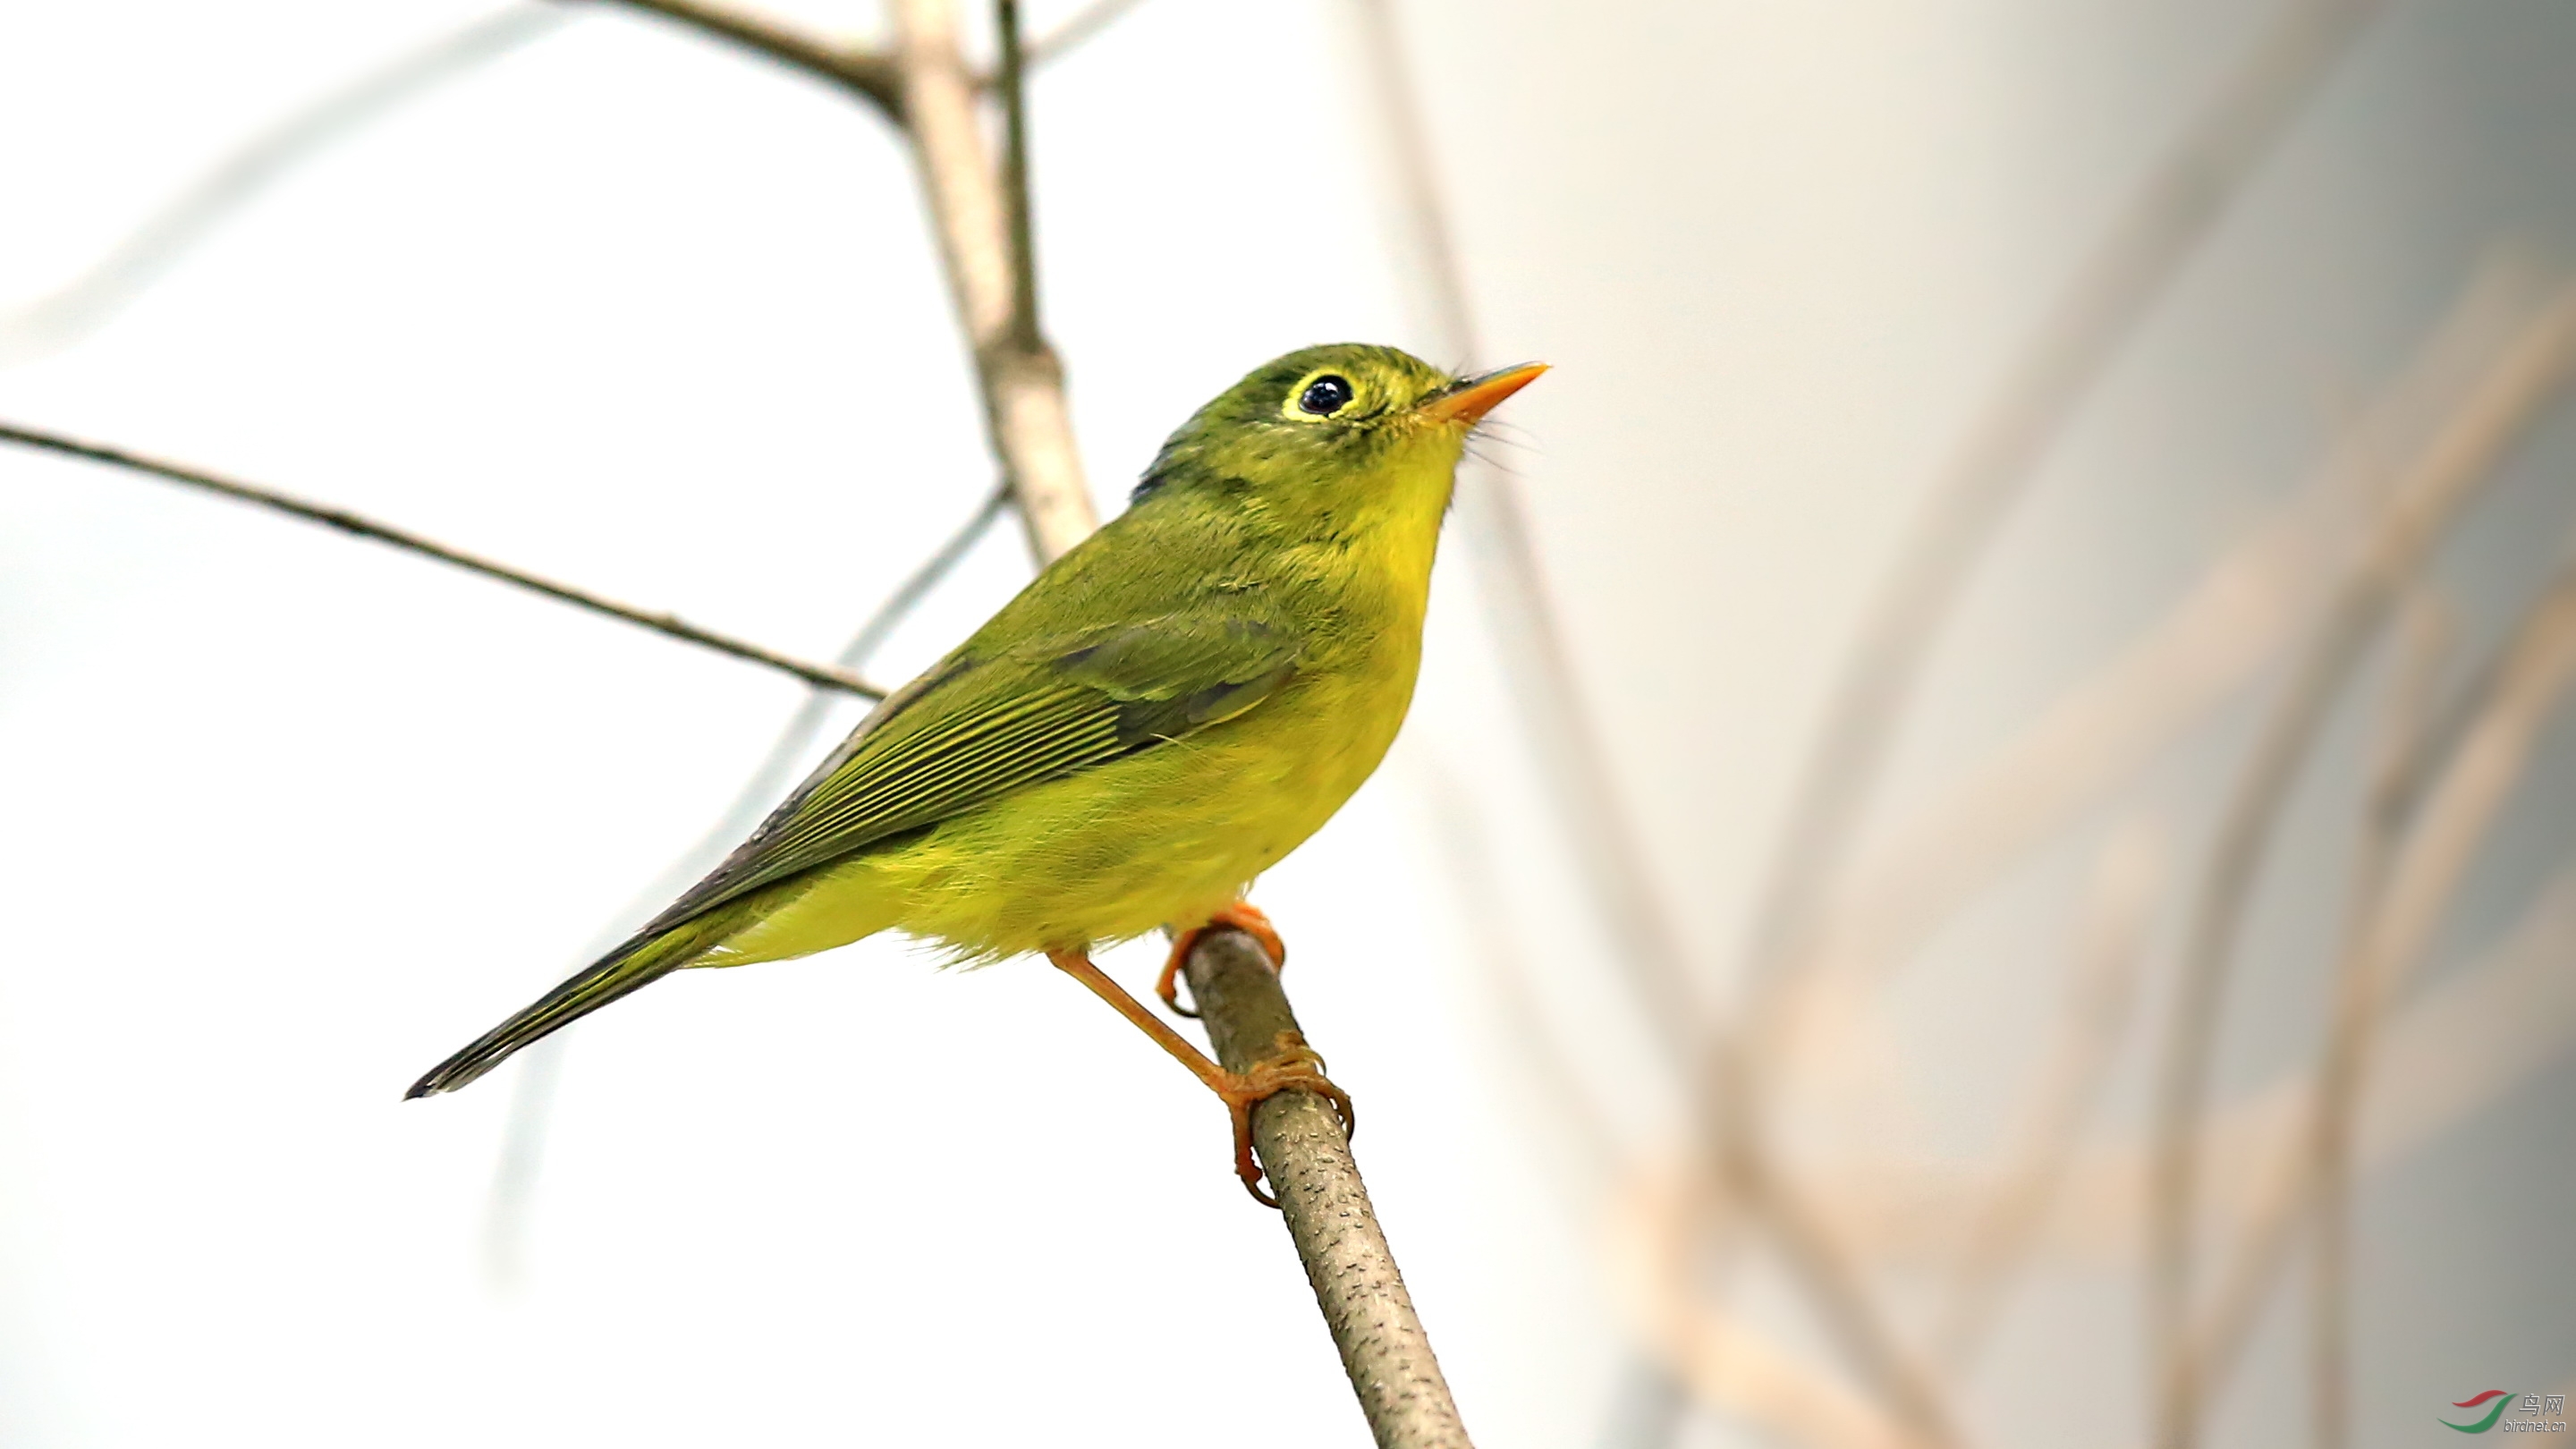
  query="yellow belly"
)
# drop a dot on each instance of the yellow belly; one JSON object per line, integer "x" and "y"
{"x": 1163, "y": 836}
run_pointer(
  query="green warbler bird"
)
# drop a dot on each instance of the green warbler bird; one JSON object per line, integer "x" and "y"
{"x": 1156, "y": 719}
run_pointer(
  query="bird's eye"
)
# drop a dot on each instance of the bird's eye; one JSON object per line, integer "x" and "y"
{"x": 1326, "y": 395}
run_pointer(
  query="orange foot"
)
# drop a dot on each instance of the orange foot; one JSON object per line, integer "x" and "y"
{"x": 1241, "y": 916}
{"x": 1292, "y": 1066}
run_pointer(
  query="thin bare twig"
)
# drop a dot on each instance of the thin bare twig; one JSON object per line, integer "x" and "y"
{"x": 87, "y": 302}
{"x": 821, "y": 676}
{"x": 2435, "y": 485}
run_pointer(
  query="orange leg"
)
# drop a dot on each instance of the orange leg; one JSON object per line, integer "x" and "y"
{"x": 1241, "y": 916}
{"x": 1292, "y": 1064}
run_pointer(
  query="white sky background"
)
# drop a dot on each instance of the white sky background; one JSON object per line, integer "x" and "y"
{"x": 289, "y": 817}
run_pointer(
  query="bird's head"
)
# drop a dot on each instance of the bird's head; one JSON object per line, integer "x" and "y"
{"x": 1331, "y": 434}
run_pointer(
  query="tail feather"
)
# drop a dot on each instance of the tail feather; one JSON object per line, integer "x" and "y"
{"x": 628, "y": 969}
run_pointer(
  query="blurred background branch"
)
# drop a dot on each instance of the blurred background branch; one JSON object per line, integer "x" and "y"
{"x": 2432, "y": 487}
{"x": 2112, "y": 292}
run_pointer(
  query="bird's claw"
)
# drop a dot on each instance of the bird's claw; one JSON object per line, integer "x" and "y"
{"x": 1291, "y": 1066}
{"x": 1241, "y": 916}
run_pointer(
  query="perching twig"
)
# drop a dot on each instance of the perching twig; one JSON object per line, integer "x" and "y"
{"x": 821, "y": 676}
{"x": 1308, "y": 1161}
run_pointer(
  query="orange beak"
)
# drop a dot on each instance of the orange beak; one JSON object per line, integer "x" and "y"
{"x": 1471, "y": 398}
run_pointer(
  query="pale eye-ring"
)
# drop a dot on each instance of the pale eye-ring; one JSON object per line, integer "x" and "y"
{"x": 1326, "y": 395}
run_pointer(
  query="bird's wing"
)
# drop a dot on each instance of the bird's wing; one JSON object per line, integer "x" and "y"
{"x": 969, "y": 730}
{"x": 973, "y": 729}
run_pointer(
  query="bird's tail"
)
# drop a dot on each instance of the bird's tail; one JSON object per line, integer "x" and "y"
{"x": 639, "y": 963}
